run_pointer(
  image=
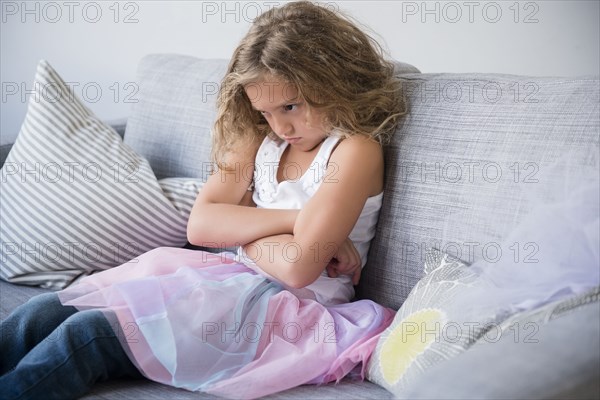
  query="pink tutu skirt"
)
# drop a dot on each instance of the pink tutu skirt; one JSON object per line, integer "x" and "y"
{"x": 203, "y": 322}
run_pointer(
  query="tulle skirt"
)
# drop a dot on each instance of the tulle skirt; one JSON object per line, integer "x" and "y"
{"x": 203, "y": 322}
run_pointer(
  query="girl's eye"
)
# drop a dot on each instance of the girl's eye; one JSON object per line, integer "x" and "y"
{"x": 288, "y": 107}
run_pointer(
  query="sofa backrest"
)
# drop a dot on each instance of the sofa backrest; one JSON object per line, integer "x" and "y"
{"x": 171, "y": 122}
{"x": 459, "y": 171}
{"x": 472, "y": 156}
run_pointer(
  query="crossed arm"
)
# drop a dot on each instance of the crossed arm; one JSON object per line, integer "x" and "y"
{"x": 293, "y": 246}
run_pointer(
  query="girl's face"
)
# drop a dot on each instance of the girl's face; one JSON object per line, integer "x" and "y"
{"x": 287, "y": 113}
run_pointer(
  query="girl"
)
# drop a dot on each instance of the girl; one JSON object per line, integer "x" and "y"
{"x": 306, "y": 103}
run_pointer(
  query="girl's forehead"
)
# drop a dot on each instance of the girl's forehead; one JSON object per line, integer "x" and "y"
{"x": 269, "y": 81}
{"x": 267, "y": 90}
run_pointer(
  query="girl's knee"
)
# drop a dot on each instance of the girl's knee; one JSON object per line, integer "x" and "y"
{"x": 44, "y": 299}
{"x": 86, "y": 325}
{"x": 39, "y": 307}
{"x": 45, "y": 309}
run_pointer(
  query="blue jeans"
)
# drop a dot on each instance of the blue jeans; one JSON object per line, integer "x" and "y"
{"x": 51, "y": 351}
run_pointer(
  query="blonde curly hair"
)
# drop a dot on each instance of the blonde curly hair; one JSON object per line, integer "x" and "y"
{"x": 336, "y": 68}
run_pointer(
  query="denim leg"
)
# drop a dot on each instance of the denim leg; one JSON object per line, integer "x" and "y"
{"x": 28, "y": 325}
{"x": 79, "y": 352}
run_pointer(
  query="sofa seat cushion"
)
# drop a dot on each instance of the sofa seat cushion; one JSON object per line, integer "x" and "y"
{"x": 148, "y": 390}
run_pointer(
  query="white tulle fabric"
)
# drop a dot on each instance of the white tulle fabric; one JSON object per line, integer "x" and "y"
{"x": 561, "y": 234}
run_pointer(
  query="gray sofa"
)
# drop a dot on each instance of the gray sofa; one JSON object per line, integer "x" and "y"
{"x": 458, "y": 173}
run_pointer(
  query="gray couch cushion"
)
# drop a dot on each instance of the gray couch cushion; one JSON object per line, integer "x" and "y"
{"x": 12, "y": 296}
{"x": 147, "y": 390}
{"x": 435, "y": 194}
{"x": 170, "y": 124}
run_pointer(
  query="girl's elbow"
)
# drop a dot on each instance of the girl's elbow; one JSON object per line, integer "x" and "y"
{"x": 299, "y": 276}
{"x": 192, "y": 234}
{"x": 196, "y": 231}
{"x": 297, "y": 283}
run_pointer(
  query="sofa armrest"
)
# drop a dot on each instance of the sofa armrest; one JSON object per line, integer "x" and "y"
{"x": 4, "y": 150}
{"x": 118, "y": 125}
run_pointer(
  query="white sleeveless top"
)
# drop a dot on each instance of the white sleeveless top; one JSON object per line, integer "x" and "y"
{"x": 293, "y": 194}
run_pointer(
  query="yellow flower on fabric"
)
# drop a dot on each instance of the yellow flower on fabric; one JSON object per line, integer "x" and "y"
{"x": 410, "y": 338}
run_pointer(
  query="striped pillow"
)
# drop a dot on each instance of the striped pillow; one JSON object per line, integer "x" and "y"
{"x": 75, "y": 199}
{"x": 181, "y": 192}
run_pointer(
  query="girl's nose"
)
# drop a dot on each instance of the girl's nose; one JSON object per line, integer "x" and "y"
{"x": 281, "y": 126}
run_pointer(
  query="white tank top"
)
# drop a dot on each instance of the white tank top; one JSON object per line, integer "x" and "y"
{"x": 293, "y": 194}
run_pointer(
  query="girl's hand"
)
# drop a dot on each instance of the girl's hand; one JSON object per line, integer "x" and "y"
{"x": 346, "y": 261}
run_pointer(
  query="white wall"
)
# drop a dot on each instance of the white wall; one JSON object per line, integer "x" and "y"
{"x": 97, "y": 44}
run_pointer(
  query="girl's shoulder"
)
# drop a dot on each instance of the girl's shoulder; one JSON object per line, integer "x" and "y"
{"x": 359, "y": 156}
{"x": 365, "y": 149}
